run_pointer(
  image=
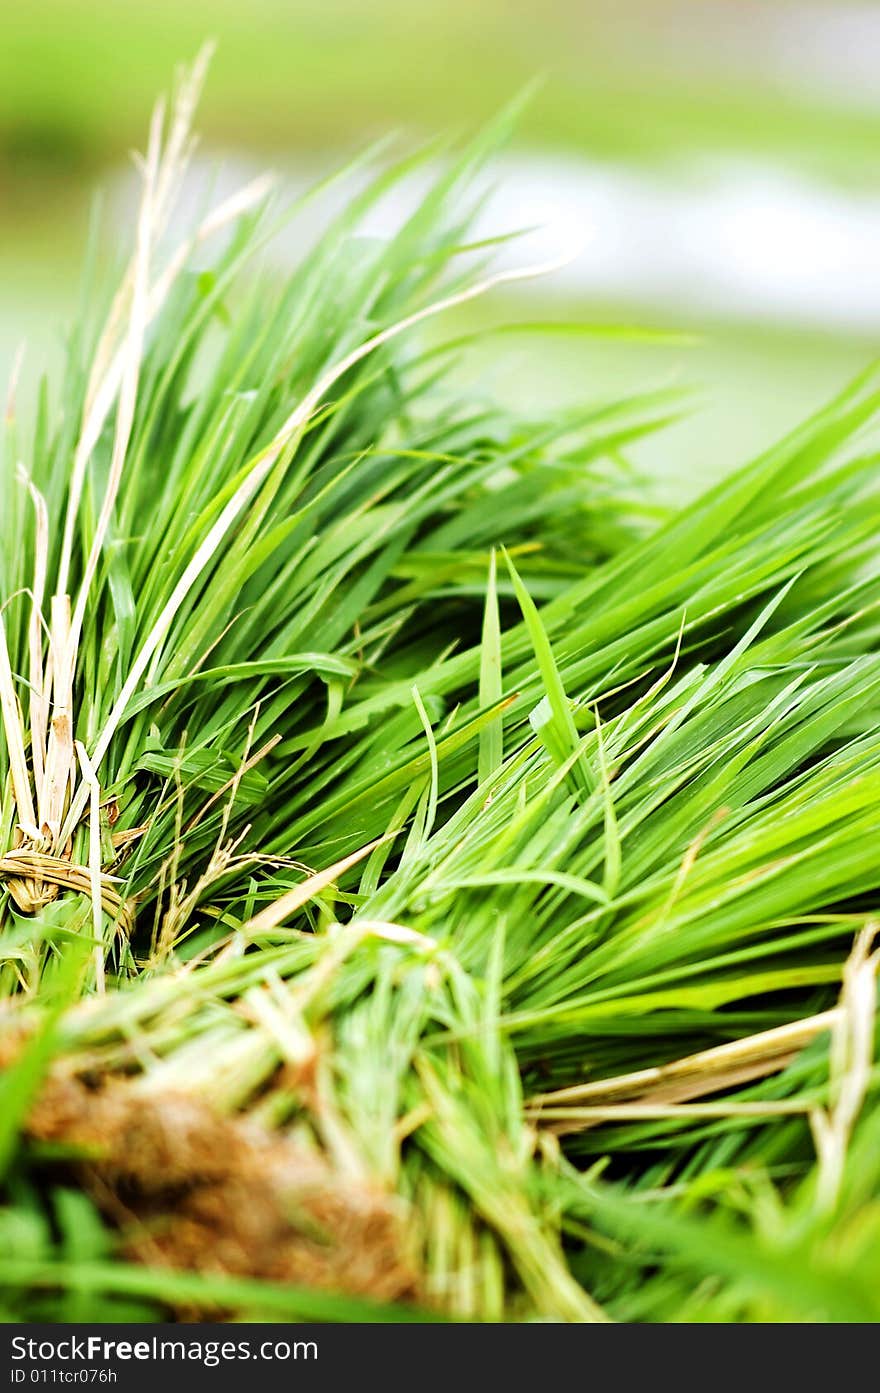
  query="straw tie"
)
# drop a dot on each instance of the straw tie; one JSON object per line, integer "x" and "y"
{"x": 35, "y": 879}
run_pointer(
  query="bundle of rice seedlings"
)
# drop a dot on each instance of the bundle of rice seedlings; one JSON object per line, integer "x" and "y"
{"x": 256, "y": 517}
{"x": 530, "y": 972}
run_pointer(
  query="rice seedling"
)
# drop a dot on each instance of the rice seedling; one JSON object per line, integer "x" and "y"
{"x": 407, "y": 827}
{"x": 243, "y": 523}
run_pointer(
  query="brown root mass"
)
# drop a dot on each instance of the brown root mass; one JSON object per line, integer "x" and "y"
{"x": 194, "y": 1190}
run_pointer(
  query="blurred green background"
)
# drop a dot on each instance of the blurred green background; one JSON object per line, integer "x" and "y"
{"x": 716, "y": 161}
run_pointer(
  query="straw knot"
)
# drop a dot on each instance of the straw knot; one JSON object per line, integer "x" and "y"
{"x": 34, "y": 879}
